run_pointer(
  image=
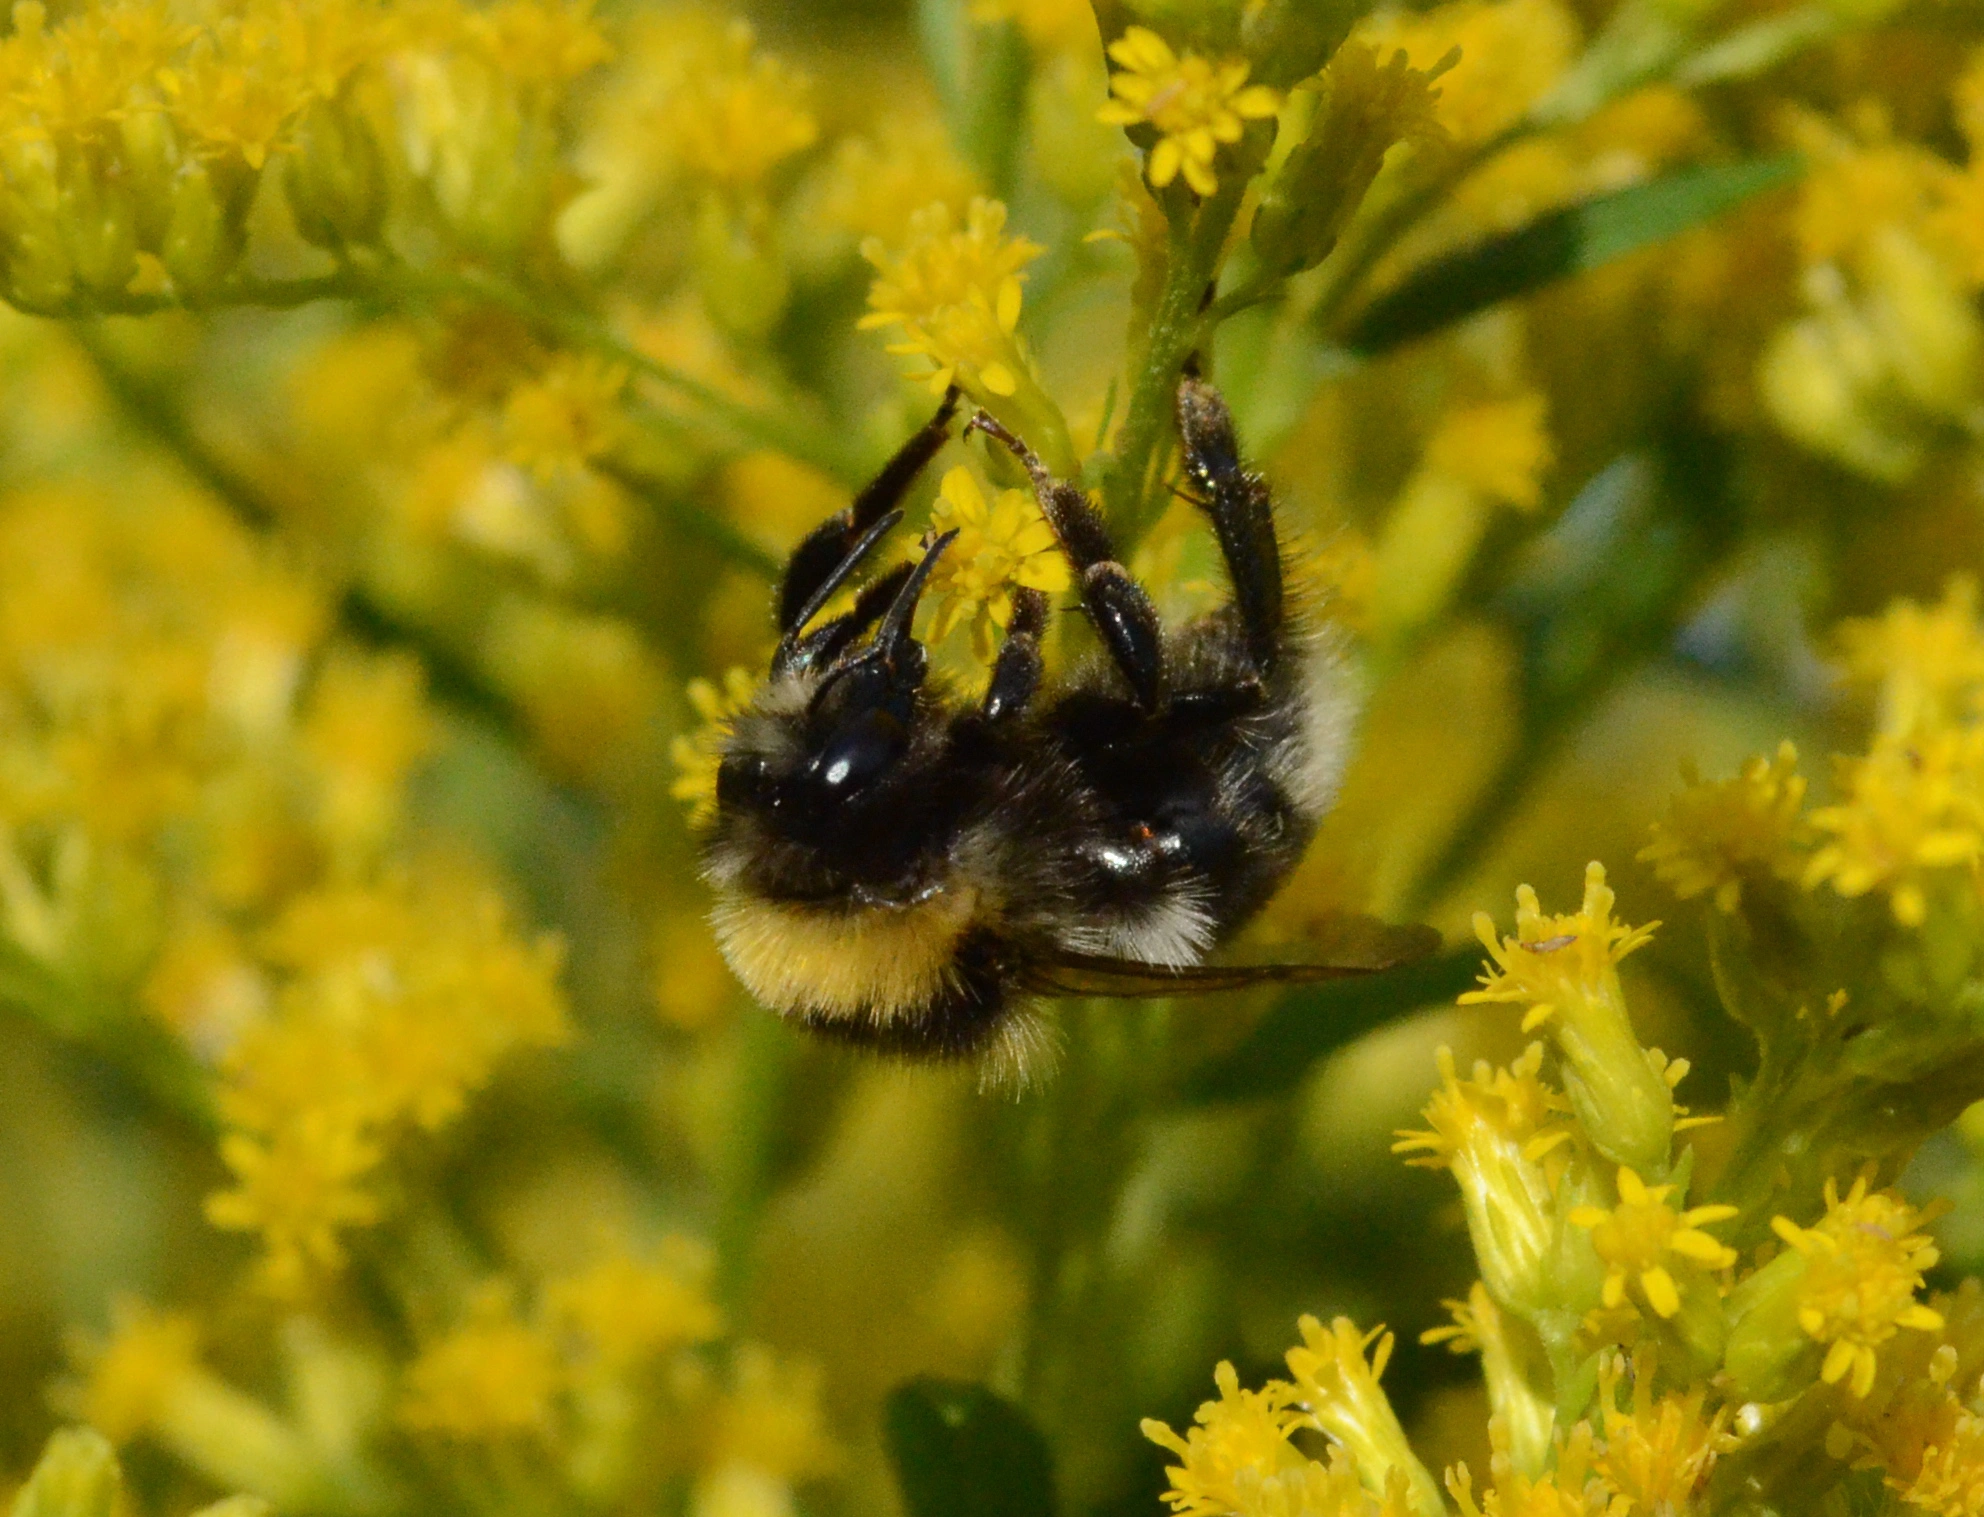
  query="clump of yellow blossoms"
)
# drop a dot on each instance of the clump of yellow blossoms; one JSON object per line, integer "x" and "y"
{"x": 409, "y": 405}
{"x": 954, "y": 292}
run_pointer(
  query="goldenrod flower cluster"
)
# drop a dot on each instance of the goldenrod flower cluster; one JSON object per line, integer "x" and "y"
{"x": 407, "y": 408}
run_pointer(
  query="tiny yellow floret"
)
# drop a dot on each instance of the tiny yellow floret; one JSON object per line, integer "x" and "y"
{"x": 1195, "y": 104}
{"x": 1635, "y": 1238}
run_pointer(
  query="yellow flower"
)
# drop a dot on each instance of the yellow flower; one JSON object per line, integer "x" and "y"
{"x": 1000, "y": 546}
{"x": 1717, "y": 832}
{"x": 1635, "y": 1237}
{"x": 1511, "y": 52}
{"x": 734, "y": 115}
{"x": 565, "y": 417}
{"x": 627, "y": 1309}
{"x": 130, "y": 1378}
{"x": 1911, "y": 809}
{"x": 1194, "y": 104}
{"x": 1864, "y": 1264}
{"x": 1656, "y": 1453}
{"x": 878, "y": 183}
{"x": 1339, "y": 1391}
{"x": 493, "y": 1378}
{"x": 367, "y": 726}
{"x": 1523, "y": 1415}
{"x": 955, "y": 293}
{"x": 1500, "y": 449}
{"x": 1927, "y": 665}
{"x": 698, "y": 755}
{"x": 1572, "y": 1489}
{"x": 769, "y": 1421}
{"x": 1950, "y": 1478}
{"x": 1494, "y": 1132}
{"x": 299, "y": 1189}
{"x": 1240, "y": 1443}
{"x": 1565, "y": 969}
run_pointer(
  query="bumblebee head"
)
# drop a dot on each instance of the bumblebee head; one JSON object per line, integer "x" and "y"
{"x": 824, "y": 776}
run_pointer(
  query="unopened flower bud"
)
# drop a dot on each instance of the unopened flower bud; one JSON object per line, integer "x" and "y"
{"x": 77, "y": 1477}
{"x": 208, "y": 230}
{"x": 1362, "y": 113}
{"x": 336, "y": 179}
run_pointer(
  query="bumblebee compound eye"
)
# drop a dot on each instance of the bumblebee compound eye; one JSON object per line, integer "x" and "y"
{"x": 742, "y": 780}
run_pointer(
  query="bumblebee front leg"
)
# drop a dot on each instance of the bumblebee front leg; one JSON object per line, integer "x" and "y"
{"x": 1242, "y": 515}
{"x": 1123, "y": 614}
{"x": 1016, "y": 672}
{"x": 824, "y": 551}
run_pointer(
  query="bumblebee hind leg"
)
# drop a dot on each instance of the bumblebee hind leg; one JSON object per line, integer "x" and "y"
{"x": 1242, "y": 515}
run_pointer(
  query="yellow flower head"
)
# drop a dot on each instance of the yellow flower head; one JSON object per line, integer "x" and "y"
{"x": 626, "y": 1308}
{"x": 1656, "y": 1453}
{"x": 1950, "y": 1478}
{"x": 1500, "y": 449}
{"x": 299, "y": 1189}
{"x": 1494, "y": 1132}
{"x": 129, "y": 1379}
{"x": 1338, "y": 1387}
{"x": 878, "y": 183}
{"x": 1717, "y": 832}
{"x": 1001, "y": 545}
{"x": 1572, "y": 1489}
{"x": 565, "y": 417}
{"x": 1911, "y": 809}
{"x": 1926, "y": 664}
{"x": 1553, "y": 963}
{"x": 733, "y": 114}
{"x": 493, "y": 1378}
{"x": 1864, "y": 1264}
{"x": 1195, "y": 105}
{"x": 1565, "y": 969}
{"x": 1239, "y": 1445}
{"x": 1523, "y": 1415}
{"x": 1636, "y": 1238}
{"x": 770, "y": 1420}
{"x": 1511, "y": 52}
{"x": 699, "y": 754}
{"x": 955, "y": 293}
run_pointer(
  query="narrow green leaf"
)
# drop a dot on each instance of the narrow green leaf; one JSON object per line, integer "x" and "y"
{"x": 1563, "y": 242}
{"x": 960, "y": 1451}
{"x": 1317, "y": 1020}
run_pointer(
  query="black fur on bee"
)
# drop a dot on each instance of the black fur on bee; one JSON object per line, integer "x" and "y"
{"x": 903, "y": 868}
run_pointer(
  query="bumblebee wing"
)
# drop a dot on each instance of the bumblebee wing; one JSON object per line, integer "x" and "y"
{"x": 1344, "y": 945}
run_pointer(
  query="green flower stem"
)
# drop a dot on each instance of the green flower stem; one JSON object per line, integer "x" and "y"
{"x": 784, "y": 428}
{"x": 1197, "y": 242}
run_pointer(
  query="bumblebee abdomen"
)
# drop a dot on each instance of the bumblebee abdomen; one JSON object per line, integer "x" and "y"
{"x": 835, "y": 961}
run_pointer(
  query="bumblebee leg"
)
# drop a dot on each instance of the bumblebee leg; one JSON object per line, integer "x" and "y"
{"x": 1242, "y": 516}
{"x": 825, "y": 642}
{"x": 1016, "y": 672}
{"x": 826, "y": 547}
{"x": 1123, "y": 614}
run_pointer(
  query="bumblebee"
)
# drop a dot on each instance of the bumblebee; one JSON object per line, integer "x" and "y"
{"x": 903, "y": 869}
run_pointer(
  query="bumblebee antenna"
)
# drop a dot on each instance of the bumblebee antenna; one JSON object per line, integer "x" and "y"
{"x": 893, "y": 633}
{"x": 830, "y": 586}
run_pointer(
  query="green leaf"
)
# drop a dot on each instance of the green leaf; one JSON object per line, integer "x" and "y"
{"x": 960, "y": 1451}
{"x": 1564, "y": 242}
{"x": 1319, "y": 1019}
